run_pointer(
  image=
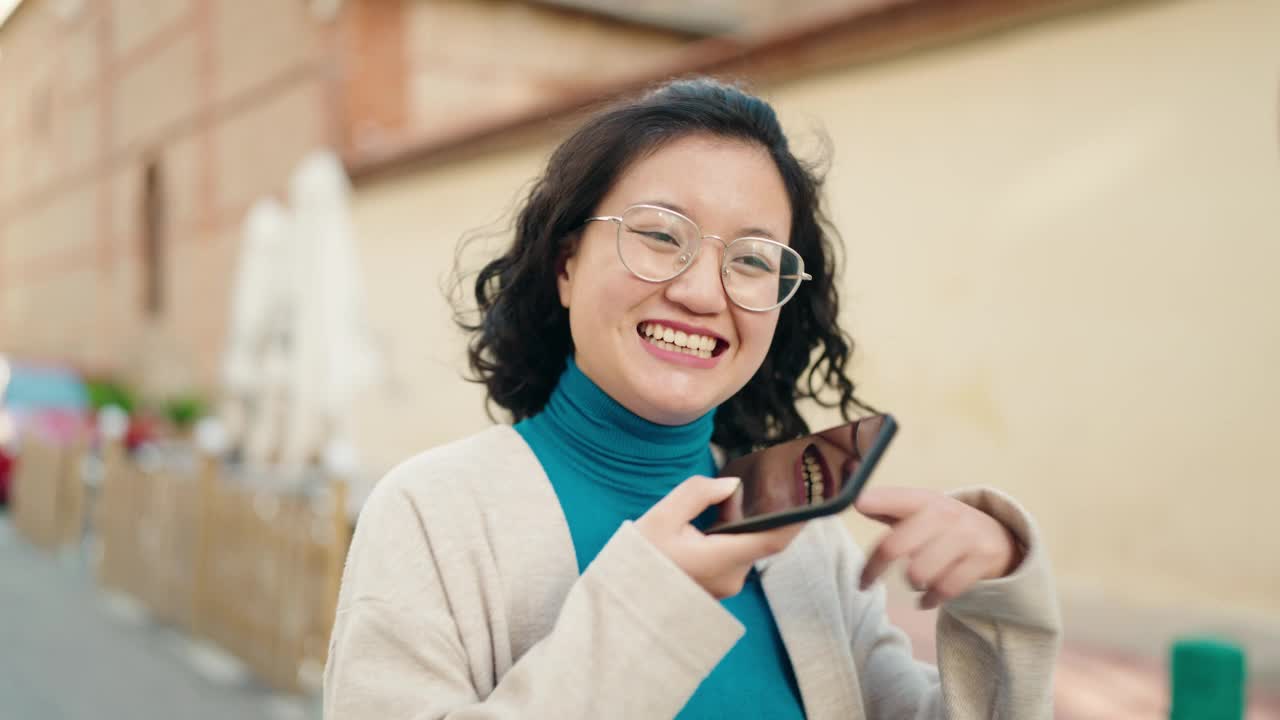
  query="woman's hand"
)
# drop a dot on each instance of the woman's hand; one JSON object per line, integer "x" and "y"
{"x": 948, "y": 545}
{"x": 719, "y": 563}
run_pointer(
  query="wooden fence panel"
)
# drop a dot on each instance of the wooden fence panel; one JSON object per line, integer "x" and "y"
{"x": 48, "y": 493}
{"x": 254, "y": 571}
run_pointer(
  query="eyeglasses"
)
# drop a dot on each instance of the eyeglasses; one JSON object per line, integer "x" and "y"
{"x": 657, "y": 244}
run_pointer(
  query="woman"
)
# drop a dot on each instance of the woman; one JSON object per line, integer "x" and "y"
{"x": 555, "y": 569}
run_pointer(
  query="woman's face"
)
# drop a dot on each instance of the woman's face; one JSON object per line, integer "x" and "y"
{"x": 730, "y": 189}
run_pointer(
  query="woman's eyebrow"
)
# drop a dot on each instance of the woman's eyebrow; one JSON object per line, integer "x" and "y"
{"x": 749, "y": 231}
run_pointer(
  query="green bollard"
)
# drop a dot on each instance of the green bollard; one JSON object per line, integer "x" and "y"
{"x": 1207, "y": 680}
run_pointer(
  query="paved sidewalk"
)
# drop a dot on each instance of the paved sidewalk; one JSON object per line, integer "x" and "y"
{"x": 69, "y": 652}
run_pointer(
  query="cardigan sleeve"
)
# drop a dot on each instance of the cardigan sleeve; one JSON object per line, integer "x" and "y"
{"x": 634, "y": 637}
{"x": 997, "y": 643}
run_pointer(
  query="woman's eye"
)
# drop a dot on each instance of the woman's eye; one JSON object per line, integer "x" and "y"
{"x": 753, "y": 263}
{"x": 660, "y": 236}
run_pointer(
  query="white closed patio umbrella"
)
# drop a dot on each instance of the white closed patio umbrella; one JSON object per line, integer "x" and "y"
{"x": 256, "y": 294}
{"x": 261, "y": 305}
{"x": 332, "y": 353}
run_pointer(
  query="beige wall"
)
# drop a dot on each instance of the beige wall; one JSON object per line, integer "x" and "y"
{"x": 1061, "y": 245}
{"x": 408, "y": 232}
{"x": 1062, "y": 257}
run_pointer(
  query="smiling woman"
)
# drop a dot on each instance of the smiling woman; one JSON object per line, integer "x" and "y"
{"x": 669, "y": 289}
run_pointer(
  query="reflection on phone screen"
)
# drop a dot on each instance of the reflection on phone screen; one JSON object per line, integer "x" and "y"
{"x": 804, "y": 472}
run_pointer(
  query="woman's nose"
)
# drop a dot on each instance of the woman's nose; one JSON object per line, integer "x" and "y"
{"x": 699, "y": 288}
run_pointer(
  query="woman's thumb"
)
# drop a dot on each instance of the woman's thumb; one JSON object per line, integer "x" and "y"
{"x": 691, "y": 497}
{"x": 721, "y": 490}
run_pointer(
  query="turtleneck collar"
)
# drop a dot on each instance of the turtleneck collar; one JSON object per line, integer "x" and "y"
{"x": 599, "y": 436}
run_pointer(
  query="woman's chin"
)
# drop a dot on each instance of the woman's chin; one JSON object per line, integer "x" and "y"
{"x": 668, "y": 410}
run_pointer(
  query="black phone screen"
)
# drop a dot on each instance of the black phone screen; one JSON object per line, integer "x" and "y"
{"x": 800, "y": 479}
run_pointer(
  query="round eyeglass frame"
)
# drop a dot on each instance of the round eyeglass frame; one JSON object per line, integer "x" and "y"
{"x": 617, "y": 220}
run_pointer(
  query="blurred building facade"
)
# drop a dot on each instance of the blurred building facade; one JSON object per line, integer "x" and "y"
{"x": 1059, "y": 220}
{"x": 135, "y": 134}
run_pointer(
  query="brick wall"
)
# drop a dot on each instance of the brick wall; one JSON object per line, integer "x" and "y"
{"x": 373, "y": 74}
{"x": 224, "y": 96}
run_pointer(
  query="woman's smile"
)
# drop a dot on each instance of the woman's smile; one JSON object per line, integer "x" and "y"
{"x": 681, "y": 344}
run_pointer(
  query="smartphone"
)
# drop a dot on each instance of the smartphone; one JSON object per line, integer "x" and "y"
{"x": 801, "y": 479}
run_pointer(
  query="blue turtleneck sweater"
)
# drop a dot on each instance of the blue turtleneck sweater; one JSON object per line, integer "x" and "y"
{"x": 608, "y": 465}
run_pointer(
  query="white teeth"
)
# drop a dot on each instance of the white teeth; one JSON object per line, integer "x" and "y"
{"x": 678, "y": 341}
{"x": 672, "y": 347}
{"x": 813, "y": 485}
{"x": 813, "y": 490}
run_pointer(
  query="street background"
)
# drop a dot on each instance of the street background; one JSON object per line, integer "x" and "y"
{"x": 1059, "y": 219}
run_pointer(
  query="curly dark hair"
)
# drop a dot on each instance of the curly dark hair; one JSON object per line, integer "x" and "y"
{"x": 520, "y": 340}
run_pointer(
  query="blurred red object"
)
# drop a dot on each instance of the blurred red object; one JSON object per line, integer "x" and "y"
{"x": 6, "y": 475}
{"x": 142, "y": 429}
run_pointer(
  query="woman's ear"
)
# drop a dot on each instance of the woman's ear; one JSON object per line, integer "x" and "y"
{"x": 566, "y": 271}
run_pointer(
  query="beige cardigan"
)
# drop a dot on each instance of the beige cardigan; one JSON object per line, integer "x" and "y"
{"x": 462, "y": 599}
